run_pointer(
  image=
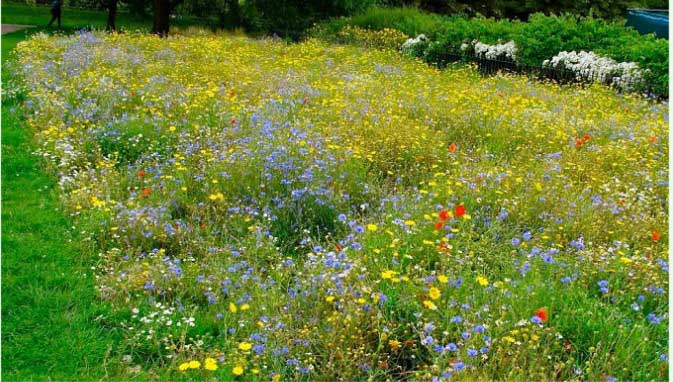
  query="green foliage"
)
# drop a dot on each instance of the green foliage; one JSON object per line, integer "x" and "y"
{"x": 289, "y": 18}
{"x": 539, "y": 39}
{"x": 510, "y": 9}
{"x": 411, "y": 21}
{"x": 354, "y": 35}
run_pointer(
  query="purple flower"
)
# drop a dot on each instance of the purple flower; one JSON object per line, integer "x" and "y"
{"x": 654, "y": 319}
{"x": 259, "y": 349}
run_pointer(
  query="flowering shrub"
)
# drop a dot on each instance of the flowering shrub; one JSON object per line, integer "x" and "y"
{"x": 415, "y": 46}
{"x": 506, "y": 51}
{"x": 264, "y": 211}
{"x": 591, "y": 66}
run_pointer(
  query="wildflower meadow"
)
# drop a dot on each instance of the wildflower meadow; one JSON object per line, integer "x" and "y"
{"x": 254, "y": 210}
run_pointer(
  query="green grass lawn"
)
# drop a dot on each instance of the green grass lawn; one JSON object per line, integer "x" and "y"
{"x": 51, "y": 317}
{"x": 75, "y": 19}
{"x": 50, "y": 314}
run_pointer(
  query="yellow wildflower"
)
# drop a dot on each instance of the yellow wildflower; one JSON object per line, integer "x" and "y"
{"x": 183, "y": 366}
{"x": 210, "y": 364}
{"x": 394, "y": 344}
{"x": 434, "y": 293}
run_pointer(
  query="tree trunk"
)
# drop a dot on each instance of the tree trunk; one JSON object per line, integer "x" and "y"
{"x": 162, "y": 11}
{"x": 112, "y": 14}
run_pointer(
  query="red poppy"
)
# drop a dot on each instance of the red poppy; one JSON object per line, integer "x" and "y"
{"x": 460, "y": 210}
{"x": 141, "y": 173}
{"x": 439, "y": 225}
{"x": 233, "y": 121}
{"x": 203, "y": 226}
{"x": 541, "y": 314}
{"x": 146, "y": 192}
{"x": 452, "y": 147}
{"x": 444, "y": 214}
{"x": 579, "y": 142}
{"x": 586, "y": 137}
{"x": 656, "y": 236}
{"x": 653, "y": 139}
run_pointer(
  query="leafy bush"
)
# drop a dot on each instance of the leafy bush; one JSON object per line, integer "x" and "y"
{"x": 290, "y": 18}
{"x": 539, "y": 39}
{"x": 609, "y": 9}
{"x": 408, "y": 20}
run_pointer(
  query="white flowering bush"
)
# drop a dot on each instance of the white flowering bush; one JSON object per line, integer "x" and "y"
{"x": 415, "y": 46}
{"x": 506, "y": 51}
{"x": 593, "y": 67}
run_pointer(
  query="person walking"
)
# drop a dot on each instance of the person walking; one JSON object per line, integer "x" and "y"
{"x": 55, "y": 13}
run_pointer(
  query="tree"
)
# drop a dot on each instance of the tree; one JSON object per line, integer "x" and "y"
{"x": 162, "y": 13}
{"x": 112, "y": 14}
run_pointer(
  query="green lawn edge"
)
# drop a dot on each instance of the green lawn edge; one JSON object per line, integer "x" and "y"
{"x": 51, "y": 317}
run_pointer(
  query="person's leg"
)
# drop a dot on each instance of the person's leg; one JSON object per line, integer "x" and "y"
{"x": 53, "y": 17}
{"x": 59, "y": 20}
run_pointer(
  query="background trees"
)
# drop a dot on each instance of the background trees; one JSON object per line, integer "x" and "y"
{"x": 289, "y": 18}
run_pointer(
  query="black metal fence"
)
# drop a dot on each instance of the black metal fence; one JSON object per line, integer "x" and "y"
{"x": 559, "y": 75}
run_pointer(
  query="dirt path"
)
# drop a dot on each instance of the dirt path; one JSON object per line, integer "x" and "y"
{"x": 9, "y": 28}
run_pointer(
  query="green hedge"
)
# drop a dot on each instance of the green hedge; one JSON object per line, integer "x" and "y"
{"x": 541, "y": 38}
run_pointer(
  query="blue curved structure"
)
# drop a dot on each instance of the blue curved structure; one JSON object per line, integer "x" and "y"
{"x": 649, "y": 21}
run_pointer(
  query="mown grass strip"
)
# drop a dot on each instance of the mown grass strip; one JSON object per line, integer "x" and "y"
{"x": 49, "y": 308}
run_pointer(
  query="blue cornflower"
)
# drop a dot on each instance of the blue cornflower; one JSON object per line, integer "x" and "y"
{"x": 653, "y": 318}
